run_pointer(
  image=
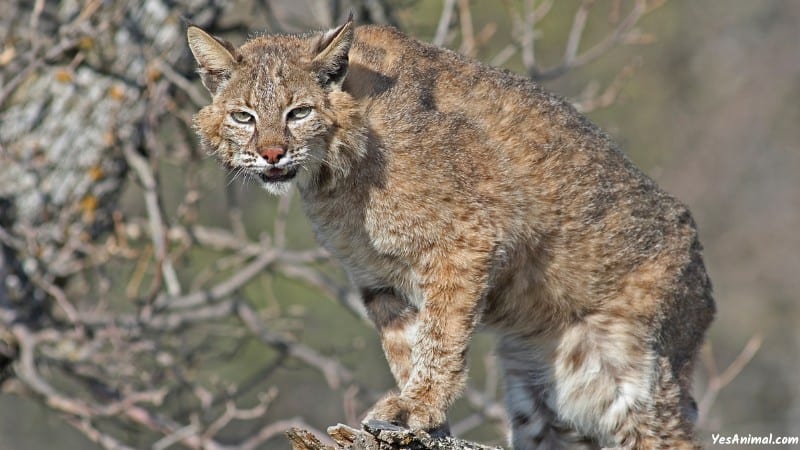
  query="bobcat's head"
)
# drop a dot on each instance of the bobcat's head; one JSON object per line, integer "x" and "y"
{"x": 279, "y": 112}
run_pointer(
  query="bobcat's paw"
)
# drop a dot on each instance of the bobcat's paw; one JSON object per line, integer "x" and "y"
{"x": 407, "y": 413}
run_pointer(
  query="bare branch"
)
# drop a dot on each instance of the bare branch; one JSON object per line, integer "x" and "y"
{"x": 197, "y": 96}
{"x": 335, "y": 374}
{"x": 156, "y": 218}
{"x": 618, "y": 35}
{"x": 61, "y": 298}
{"x": 576, "y": 32}
{"x": 105, "y": 440}
{"x": 591, "y": 101}
{"x": 718, "y": 381}
{"x": 223, "y": 289}
{"x": 445, "y": 19}
{"x": 467, "y": 31}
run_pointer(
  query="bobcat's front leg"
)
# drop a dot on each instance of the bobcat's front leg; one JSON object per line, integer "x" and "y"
{"x": 396, "y": 321}
{"x": 438, "y": 345}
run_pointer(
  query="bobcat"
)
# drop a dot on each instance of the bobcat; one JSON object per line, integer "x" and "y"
{"x": 457, "y": 195}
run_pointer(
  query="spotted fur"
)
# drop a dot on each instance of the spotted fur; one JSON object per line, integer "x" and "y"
{"x": 459, "y": 195}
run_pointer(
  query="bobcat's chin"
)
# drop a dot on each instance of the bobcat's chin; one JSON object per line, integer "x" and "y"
{"x": 277, "y": 187}
{"x": 277, "y": 181}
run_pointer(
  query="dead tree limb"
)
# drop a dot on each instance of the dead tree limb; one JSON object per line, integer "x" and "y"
{"x": 377, "y": 435}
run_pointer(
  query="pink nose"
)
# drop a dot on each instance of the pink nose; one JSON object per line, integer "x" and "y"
{"x": 272, "y": 154}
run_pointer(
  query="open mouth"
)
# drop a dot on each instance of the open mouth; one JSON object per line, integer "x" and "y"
{"x": 277, "y": 174}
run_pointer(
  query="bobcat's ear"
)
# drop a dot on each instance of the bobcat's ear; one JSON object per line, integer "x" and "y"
{"x": 214, "y": 55}
{"x": 331, "y": 54}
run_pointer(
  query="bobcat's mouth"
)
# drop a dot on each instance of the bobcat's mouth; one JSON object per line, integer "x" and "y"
{"x": 276, "y": 174}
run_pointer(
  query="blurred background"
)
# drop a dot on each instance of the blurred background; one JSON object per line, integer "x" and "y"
{"x": 149, "y": 301}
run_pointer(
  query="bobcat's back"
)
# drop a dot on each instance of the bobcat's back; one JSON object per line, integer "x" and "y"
{"x": 485, "y": 143}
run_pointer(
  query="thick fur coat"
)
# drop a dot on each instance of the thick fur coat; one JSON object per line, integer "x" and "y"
{"x": 458, "y": 195}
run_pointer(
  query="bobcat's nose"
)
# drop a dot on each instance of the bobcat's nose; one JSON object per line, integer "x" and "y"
{"x": 273, "y": 154}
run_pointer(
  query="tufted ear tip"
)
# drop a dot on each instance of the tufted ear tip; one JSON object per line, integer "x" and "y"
{"x": 332, "y": 49}
{"x": 215, "y": 56}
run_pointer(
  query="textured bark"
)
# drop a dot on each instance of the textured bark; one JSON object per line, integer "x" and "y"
{"x": 378, "y": 435}
{"x": 80, "y": 84}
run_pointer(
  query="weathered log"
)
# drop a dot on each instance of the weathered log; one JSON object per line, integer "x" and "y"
{"x": 377, "y": 435}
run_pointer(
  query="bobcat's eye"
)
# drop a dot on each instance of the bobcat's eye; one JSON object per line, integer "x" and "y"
{"x": 298, "y": 113}
{"x": 242, "y": 116}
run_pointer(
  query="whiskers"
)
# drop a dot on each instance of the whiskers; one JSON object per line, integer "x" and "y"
{"x": 244, "y": 173}
{"x": 236, "y": 172}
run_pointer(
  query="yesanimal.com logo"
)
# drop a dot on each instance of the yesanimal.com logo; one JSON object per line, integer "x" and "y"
{"x": 749, "y": 439}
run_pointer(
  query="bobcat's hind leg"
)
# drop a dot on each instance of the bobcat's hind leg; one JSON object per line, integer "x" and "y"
{"x": 533, "y": 424}
{"x": 667, "y": 424}
{"x": 610, "y": 384}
